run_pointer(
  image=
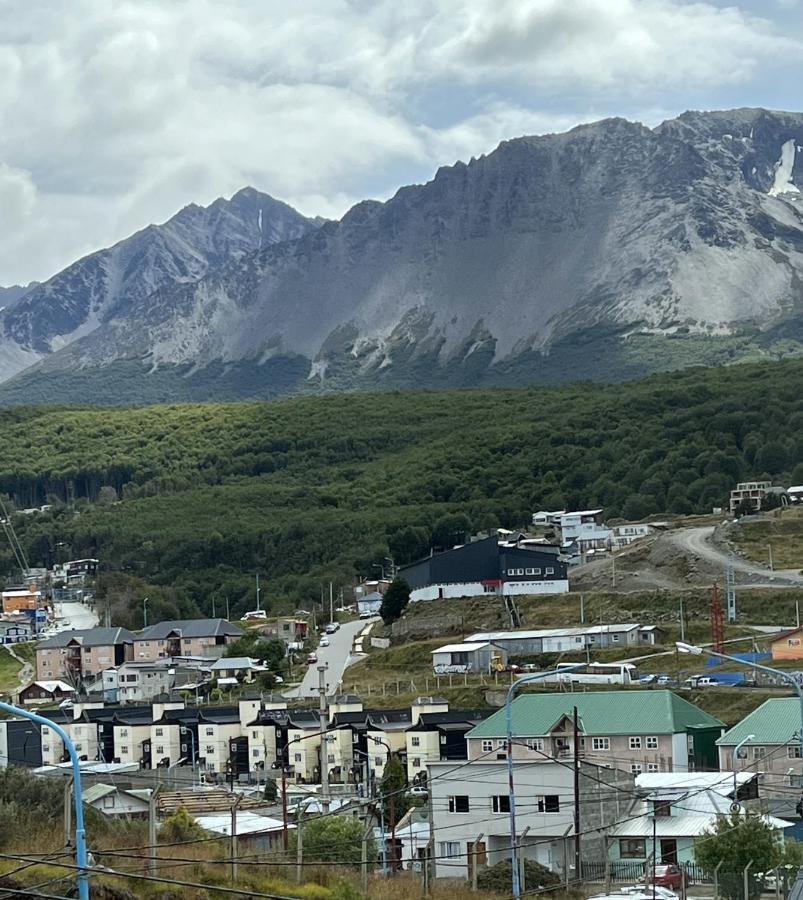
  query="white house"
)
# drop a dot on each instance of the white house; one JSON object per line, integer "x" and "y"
{"x": 114, "y": 801}
{"x": 622, "y": 535}
{"x": 478, "y": 656}
{"x": 585, "y": 529}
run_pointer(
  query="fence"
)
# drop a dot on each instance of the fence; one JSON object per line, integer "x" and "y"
{"x": 632, "y": 870}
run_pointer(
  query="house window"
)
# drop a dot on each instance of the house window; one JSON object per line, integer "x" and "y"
{"x": 160, "y": 750}
{"x": 458, "y": 803}
{"x": 187, "y": 642}
{"x": 210, "y": 732}
{"x": 379, "y": 761}
{"x": 536, "y": 744}
{"x": 255, "y": 735}
{"x": 630, "y": 848}
{"x": 615, "y": 638}
{"x": 330, "y": 757}
{"x": 123, "y": 750}
{"x": 500, "y": 803}
{"x": 635, "y": 743}
{"x": 653, "y": 767}
{"x": 549, "y": 570}
{"x": 210, "y": 749}
{"x": 123, "y": 732}
{"x": 79, "y": 747}
{"x": 255, "y": 751}
{"x": 450, "y": 849}
{"x": 793, "y": 752}
{"x": 636, "y": 768}
{"x": 549, "y": 803}
{"x": 417, "y": 762}
{"x": 297, "y": 757}
{"x": 529, "y": 571}
{"x": 501, "y": 744}
{"x": 600, "y": 743}
{"x": 652, "y": 743}
{"x": 160, "y": 732}
{"x": 416, "y": 742}
{"x": 487, "y": 746}
{"x": 661, "y": 808}
{"x": 108, "y": 802}
{"x": 759, "y": 752}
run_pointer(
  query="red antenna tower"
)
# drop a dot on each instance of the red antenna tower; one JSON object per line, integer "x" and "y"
{"x": 717, "y": 621}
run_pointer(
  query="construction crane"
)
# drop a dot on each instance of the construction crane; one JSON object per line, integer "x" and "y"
{"x": 16, "y": 546}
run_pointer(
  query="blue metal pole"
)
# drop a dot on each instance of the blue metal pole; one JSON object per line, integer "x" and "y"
{"x": 80, "y": 833}
{"x": 525, "y": 679}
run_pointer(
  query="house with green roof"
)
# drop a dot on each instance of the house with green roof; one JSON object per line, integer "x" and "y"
{"x": 635, "y": 731}
{"x": 770, "y": 745}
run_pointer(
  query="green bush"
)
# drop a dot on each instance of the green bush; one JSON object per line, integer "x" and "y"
{"x": 498, "y": 877}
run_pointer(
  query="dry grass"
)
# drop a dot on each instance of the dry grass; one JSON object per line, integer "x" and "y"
{"x": 783, "y": 531}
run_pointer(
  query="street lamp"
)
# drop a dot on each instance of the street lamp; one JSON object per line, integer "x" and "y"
{"x": 145, "y": 612}
{"x": 525, "y": 679}
{"x": 736, "y": 750}
{"x": 784, "y": 676}
{"x": 384, "y": 847}
{"x": 80, "y": 834}
{"x": 392, "y": 810}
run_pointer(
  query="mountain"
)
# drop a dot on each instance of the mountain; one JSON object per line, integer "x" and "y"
{"x": 10, "y": 295}
{"x": 116, "y": 283}
{"x": 606, "y": 252}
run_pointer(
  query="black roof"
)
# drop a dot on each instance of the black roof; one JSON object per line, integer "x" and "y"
{"x": 189, "y": 628}
{"x": 435, "y": 720}
{"x": 89, "y": 637}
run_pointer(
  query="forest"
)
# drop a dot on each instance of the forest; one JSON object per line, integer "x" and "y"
{"x": 191, "y": 500}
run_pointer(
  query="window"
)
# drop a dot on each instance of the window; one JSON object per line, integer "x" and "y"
{"x": 108, "y": 802}
{"x": 632, "y": 848}
{"x": 500, "y": 803}
{"x": 549, "y": 803}
{"x": 652, "y": 743}
{"x": 255, "y": 752}
{"x": 501, "y": 744}
{"x": 160, "y": 732}
{"x": 79, "y": 747}
{"x": 210, "y": 732}
{"x": 297, "y": 757}
{"x": 487, "y": 746}
{"x": 255, "y": 735}
{"x": 661, "y": 808}
{"x": 793, "y": 752}
{"x": 415, "y": 741}
{"x": 615, "y": 638}
{"x": 330, "y": 757}
{"x": 450, "y": 849}
{"x": 210, "y": 749}
{"x": 417, "y": 762}
{"x": 600, "y": 743}
{"x": 458, "y": 804}
{"x": 379, "y": 761}
{"x": 123, "y": 732}
{"x": 529, "y": 571}
{"x": 160, "y": 750}
{"x": 759, "y": 752}
{"x": 653, "y": 767}
{"x": 635, "y": 743}
{"x": 123, "y": 750}
{"x": 636, "y": 768}
{"x": 549, "y": 570}
{"x": 536, "y": 744}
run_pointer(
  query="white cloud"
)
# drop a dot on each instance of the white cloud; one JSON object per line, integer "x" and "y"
{"x": 116, "y": 114}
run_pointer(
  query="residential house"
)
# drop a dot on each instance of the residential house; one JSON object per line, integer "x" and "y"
{"x": 207, "y": 638}
{"x": 256, "y": 833}
{"x": 412, "y": 837}
{"x": 144, "y": 682}
{"x": 75, "y": 570}
{"x": 15, "y": 631}
{"x": 45, "y": 692}
{"x": 303, "y": 745}
{"x": 770, "y": 745}
{"x": 439, "y": 735}
{"x": 112, "y": 800}
{"x": 622, "y": 535}
{"x": 488, "y": 566}
{"x": 241, "y": 668}
{"x": 544, "y": 518}
{"x": 473, "y": 799}
{"x": 750, "y": 493}
{"x": 386, "y": 733}
{"x": 639, "y": 731}
{"x": 584, "y": 530}
{"x": 788, "y": 645}
{"x": 76, "y": 654}
{"x": 473, "y": 656}
{"x": 672, "y": 810}
{"x": 369, "y": 604}
{"x": 288, "y": 629}
{"x": 15, "y": 599}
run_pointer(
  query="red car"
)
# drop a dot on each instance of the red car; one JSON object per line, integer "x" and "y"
{"x": 670, "y": 876}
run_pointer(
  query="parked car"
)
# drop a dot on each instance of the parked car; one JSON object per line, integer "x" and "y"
{"x": 312, "y": 659}
{"x": 661, "y": 893}
{"x": 418, "y": 790}
{"x": 367, "y": 615}
{"x": 332, "y": 627}
{"x": 700, "y": 681}
{"x": 665, "y": 680}
{"x": 670, "y": 876}
{"x": 647, "y": 679}
{"x": 324, "y": 642}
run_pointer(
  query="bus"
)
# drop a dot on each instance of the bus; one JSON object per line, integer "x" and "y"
{"x": 594, "y": 673}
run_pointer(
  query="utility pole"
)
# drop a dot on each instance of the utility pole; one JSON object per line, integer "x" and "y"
{"x": 769, "y": 547}
{"x": 234, "y": 839}
{"x": 331, "y": 604}
{"x": 474, "y": 865}
{"x": 257, "y": 590}
{"x": 522, "y": 860}
{"x": 152, "y": 830}
{"x": 577, "y": 872}
{"x": 145, "y": 612}
{"x": 582, "y": 611}
{"x": 228, "y": 615}
{"x": 613, "y": 571}
{"x": 213, "y": 606}
{"x": 682, "y": 623}
{"x": 300, "y": 846}
{"x": 324, "y": 744}
{"x": 68, "y": 813}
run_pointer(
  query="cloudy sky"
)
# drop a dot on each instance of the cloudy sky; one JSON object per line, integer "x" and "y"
{"x": 115, "y": 114}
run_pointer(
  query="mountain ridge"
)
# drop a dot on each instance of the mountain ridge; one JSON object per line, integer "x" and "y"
{"x": 611, "y": 235}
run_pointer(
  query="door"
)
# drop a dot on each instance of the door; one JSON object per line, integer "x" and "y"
{"x": 476, "y": 851}
{"x": 669, "y": 851}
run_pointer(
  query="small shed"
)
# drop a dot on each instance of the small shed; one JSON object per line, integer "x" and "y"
{"x": 478, "y": 656}
{"x": 114, "y": 801}
{"x": 788, "y": 645}
{"x": 45, "y": 692}
{"x": 256, "y": 831}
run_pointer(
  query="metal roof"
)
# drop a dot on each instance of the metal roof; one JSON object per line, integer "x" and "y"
{"x": 774, "y": 722}
{"x": 468, "y": 647}
{"x": 236, "y": 662}
{"x": 551, "y": 632}
{"x": 686, "y": 781}
{"x": 691, "y": 825}
{"x": 188, "y": 628}
{"x": 602, "y": 712}
{"x": 88, "y": 637}
{"x": 247, "y": 823}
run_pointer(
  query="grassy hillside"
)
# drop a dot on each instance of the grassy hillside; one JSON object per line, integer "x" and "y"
{"x": 195, "y": 498}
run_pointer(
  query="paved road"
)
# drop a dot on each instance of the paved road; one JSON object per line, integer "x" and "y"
{"x": 336, "y": 655}
{"x": 78, "y": 615}
{"x": 698, "y": 542}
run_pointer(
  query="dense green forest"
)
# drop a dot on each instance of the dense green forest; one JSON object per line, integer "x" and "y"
{"x": 194, "y": 499}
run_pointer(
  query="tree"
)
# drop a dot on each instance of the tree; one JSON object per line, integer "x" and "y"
{"x": 392, "y": 789}
{"x": 334, "y": 839}
{"x": 181, "y": 827}
{"x": 736, "y": 841}
{"x": 498, "y": 877}
{"x": 395, "y": 601}
{"x": 271, "y": 791}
